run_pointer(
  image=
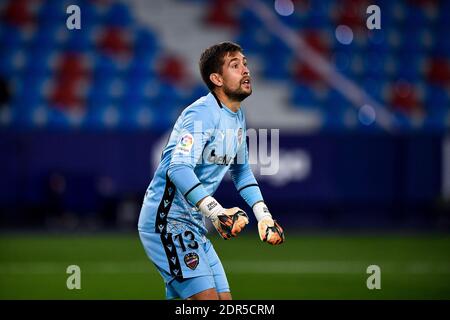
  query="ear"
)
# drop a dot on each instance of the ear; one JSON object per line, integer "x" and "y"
{"x": 216, "y": 79}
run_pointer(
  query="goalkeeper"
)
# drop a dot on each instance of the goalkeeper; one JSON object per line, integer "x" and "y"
{"x": 207, "y": 140}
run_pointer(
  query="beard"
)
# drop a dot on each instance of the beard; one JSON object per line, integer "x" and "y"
{"x": 236, "y": 95}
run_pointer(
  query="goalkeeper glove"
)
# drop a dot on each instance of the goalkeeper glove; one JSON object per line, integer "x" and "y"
{"x": 269, "y": 230}
{"x": 228, "y": 222}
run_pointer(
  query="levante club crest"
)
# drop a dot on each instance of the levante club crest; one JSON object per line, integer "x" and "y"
{"x": 191, "y": 259}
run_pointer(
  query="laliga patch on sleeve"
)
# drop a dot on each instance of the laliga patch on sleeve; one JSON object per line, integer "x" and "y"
{"x": 185, "y": 144}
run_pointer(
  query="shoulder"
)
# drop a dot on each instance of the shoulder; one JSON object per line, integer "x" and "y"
{"x": 203, "y": 109}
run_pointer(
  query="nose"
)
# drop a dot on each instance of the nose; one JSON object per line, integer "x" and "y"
{"x": 246, "y": 71}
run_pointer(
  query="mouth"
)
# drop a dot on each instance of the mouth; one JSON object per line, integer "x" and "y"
{"x": 247, "y": 82}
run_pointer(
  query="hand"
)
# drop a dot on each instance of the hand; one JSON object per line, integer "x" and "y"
{"x": 270, "y": 231}
{"x": 230, "y": 222}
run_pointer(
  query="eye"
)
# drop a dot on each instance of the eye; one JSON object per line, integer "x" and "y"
{"x": 234, "y": 66}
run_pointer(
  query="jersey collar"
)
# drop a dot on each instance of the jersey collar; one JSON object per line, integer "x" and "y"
{"x": 223, "y": 106}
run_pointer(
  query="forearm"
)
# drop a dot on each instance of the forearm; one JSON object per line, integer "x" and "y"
{"x": 246, "y": 184}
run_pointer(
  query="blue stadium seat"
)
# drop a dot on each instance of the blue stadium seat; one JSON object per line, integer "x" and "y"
{"x": 79, "y": 41}
{"x": 304, "y": 96}
{"x": 403, "y": 122}
{"x": 408, "y": 66}
{"x": 118, "y": 15}
{"x": 374, "y": 64}
{"x": 336, "y": 103}
{"x": 437, "y": 100}
{"x": 197, "y": 92}
{"x": 105, "y": 67}
{"x": 29, "y": 91}
{"x": 11, "y": 37}
{"x": 7, "y": 56}
{"x": 99, "y": 95}
{"x": 342, "y": 60}
{"x": 377, "y": 42}
{"x": 277, "y": 63}
{"x": 294, "y": 21}
{"x": 248, "y": 20}
{"x": 38, "y": 60}
{"x": 415, "y": 17}
{"x": 313, "y": 20}
{"x": 140, "y": 68}
{"x": 59, "y": 118}
{"x": 91, "y": 15}
{"x": 53, "y": 13}
{"x": 373, "y": 86}
{"x": 44, "y": 37}
{"x": 134, "y": 94}
{"x": 146, "y": 45}
{"x": 251, "y": 42}
{"x": 442, "y": 44}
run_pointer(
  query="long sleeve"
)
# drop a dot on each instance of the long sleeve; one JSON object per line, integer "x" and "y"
{"x": 194, "y": 132}
{"x": 243, "y": 178}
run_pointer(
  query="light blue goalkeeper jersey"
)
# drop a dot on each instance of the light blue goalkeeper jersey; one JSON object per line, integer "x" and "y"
{"x": 207, "y": 140}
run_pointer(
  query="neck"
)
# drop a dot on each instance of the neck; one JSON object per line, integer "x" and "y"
{"x": 231, "y": 104}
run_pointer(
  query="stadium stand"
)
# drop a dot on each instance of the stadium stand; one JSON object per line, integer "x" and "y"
{"x": 116, "y": 73}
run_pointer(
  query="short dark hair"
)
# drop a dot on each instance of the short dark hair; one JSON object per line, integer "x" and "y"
{"x": 212, "y": 59}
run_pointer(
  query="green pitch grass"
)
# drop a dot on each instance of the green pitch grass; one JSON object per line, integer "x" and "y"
{"x": 305, "y": 267}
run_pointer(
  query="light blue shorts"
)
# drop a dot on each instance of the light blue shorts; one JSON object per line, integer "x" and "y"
{"x": 187, "y": 263}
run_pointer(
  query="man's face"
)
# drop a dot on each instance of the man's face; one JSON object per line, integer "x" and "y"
{"x": 236, "y": 76}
